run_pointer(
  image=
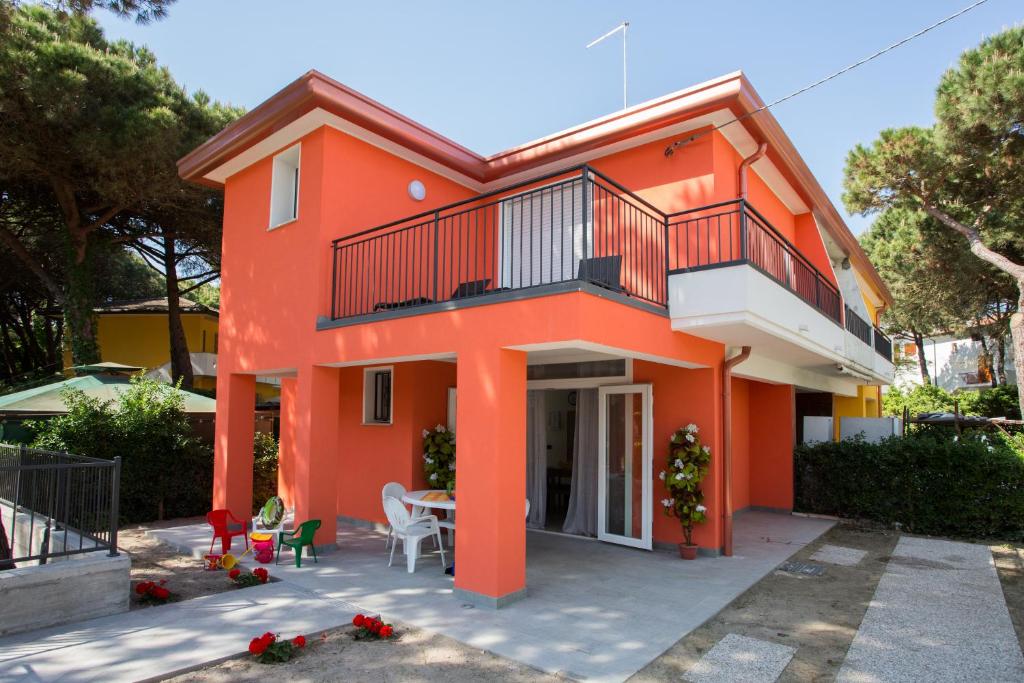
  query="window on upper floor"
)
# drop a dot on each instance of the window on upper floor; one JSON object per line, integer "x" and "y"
{"x": 377, "y": 396}
{"x": 284, "y": 188}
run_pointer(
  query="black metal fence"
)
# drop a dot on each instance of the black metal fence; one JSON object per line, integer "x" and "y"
{"x": 732, "y": 233}
{"x": 883, "y": 345}
{"x": 572, "y": 225}
{"x": 858, "y": 326}
{"x": 55, "y": 504}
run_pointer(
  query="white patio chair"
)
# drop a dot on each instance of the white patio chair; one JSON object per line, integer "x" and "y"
{"x": 259, "y": 524}
{"x": 391, "y": 490}
{"x": 412, "y": 531}
{"x": 448, "y": 524}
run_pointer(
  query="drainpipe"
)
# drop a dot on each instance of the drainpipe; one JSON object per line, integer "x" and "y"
{"x": 730, "y": 363}
{"x": 762, "y": 149}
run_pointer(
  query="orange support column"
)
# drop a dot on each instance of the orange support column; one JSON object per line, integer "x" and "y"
{"x": 490, "y": 543}
{"x": 315, "y": 449}
{"x": 232, "y": 460}
{"x": 286, "y": 444}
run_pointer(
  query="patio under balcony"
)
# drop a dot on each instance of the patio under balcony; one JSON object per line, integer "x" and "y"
{"x": 593, "y": 611}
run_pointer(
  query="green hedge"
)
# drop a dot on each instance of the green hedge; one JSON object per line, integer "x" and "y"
{"x": 970, "y": 486}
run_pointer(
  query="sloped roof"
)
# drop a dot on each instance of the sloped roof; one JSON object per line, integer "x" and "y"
{"x": 152, "y": 305}
{"x": 47, "y": 399}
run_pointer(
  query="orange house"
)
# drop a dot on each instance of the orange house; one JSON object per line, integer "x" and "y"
{"x": 566, "y": 305}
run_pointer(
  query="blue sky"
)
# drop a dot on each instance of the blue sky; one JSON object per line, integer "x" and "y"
{"x": 494, "y": 75}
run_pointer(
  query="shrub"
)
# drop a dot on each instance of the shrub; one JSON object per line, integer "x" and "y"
{"x": 998, "y": 401}
{"x": 264, "y": 476}
{"x": 923, "y": 398}
{"x": 969, "y": 486}
{"x": 439, "y": 458}
{"x": 165, "y": 471}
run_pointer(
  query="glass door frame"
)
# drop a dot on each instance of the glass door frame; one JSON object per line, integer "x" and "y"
{"x": 647, "y": 503}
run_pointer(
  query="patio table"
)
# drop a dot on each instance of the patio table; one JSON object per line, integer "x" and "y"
{"x": 436, "y": 499}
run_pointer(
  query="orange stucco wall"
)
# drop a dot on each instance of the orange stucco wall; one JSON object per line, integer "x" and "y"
{"x": 740, "y": 443}
{"x": 772, "y": 434}
{"x": 373, "y": 455}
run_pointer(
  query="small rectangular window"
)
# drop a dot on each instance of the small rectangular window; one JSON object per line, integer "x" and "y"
{"x": 284, "y": 187}
{"x": 377, "y": 396}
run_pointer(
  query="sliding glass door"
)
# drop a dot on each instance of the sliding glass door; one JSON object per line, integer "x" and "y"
{"x": 624, "y": 465}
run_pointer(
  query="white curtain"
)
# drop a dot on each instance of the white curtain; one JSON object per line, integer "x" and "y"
{"x": 581, "y": 517}
{"x": 536, "y": 459}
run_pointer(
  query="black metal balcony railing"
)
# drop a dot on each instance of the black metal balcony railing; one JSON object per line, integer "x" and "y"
{"x": 858, "y": 326}
{"x": 56, "y": 504}
{"x": 573, "y": 225}
{"x": 883, "y": 345}
{"x": 576, "y": 225}
{"x": 732, "y": 233}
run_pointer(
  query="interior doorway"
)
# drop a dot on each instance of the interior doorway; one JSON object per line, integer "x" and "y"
{"x": 589, "y": 462}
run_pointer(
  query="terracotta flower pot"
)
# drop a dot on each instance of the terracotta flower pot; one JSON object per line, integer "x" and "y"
{"x": 687, "y": 552}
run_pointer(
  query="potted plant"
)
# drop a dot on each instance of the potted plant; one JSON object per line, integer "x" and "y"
{"x": 688, "y": 461}
{"x": 439, "y": 458}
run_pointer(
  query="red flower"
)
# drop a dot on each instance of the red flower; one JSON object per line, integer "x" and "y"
{"x": 386, "y": 631}
{"x": 269, "y": 637}
{"x": 160, "y": 593}
{"x": 234, "y": 574}
{"x": 143, "y": 587}
{"x": 359, "y": 620}
{"x": 262, "y": 574}
{"x": 299, "y": 641}
{"x": 258, "y": 646}
{"x": 376, "y": 626}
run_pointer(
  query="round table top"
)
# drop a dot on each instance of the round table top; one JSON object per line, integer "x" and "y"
{"x": 416, "y": 498}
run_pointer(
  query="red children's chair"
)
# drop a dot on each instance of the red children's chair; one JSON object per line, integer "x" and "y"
{"x": 226, "y": 526}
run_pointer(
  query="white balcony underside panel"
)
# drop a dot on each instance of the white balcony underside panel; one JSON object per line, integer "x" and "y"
{"x": 740, "y": 306}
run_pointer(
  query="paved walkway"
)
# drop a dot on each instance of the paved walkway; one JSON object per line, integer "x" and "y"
{"x": 938, "y": 614}
{"x": 154, "y": 642}
{"x": 581, "y": 593}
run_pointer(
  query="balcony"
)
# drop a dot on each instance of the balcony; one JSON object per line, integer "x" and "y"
{"x": 579, "y": 230}
{"x": 576, "y": 229}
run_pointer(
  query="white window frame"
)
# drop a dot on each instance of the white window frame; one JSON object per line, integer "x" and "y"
{"x": 368, "y": 396}
{"x": 286, "y": 168}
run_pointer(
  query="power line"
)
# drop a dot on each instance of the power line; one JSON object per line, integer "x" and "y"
{"x": 671, "y": 148}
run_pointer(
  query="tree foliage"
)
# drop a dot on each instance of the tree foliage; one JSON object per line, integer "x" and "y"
{"x": 90, "y": 130}
{"x": 965, "y": 174}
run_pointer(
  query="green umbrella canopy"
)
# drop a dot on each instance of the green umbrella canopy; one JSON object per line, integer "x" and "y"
{"x": 103, "y": 386}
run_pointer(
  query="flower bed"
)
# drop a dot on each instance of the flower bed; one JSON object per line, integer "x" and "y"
{"x": 244, "y": 579}
{"x": 271, "y": 649}
{"x": 371, "y": 628}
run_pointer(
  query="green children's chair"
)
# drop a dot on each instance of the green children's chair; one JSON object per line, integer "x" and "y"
{"x": 302, "y": 536}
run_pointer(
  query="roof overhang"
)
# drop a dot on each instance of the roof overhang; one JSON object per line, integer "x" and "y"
{"x": 316, "y": 98}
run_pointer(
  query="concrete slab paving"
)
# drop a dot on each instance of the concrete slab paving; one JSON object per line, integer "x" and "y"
{"x": 741, "y": 659}
{"x": 938, "y": 614}
{"x": 159, "y": 641}
{"x": 580, "y": 593}
{"x": 834, "y": 554}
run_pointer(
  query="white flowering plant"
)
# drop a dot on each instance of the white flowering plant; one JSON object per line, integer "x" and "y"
{"x": 688, "y": 461}
{"x": 439, "y": 458}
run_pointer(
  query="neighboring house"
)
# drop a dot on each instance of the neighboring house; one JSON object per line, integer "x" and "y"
{"x": 135, "y": 332}
{"x": 952, "y": 363}
{"x": 390, "y": 277}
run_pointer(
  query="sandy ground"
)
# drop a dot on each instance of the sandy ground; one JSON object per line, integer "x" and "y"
{"x": 152, "y": 561}
{"x": 817, "y": 615}
{"x": 1010, "y": 565}
{"x": 415, "y": 656}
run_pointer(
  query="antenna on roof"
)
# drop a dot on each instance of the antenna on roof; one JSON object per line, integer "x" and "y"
{"x": 624, "y": 27}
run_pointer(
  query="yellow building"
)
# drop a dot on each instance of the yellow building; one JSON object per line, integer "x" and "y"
{"x": 135, "y": 332}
